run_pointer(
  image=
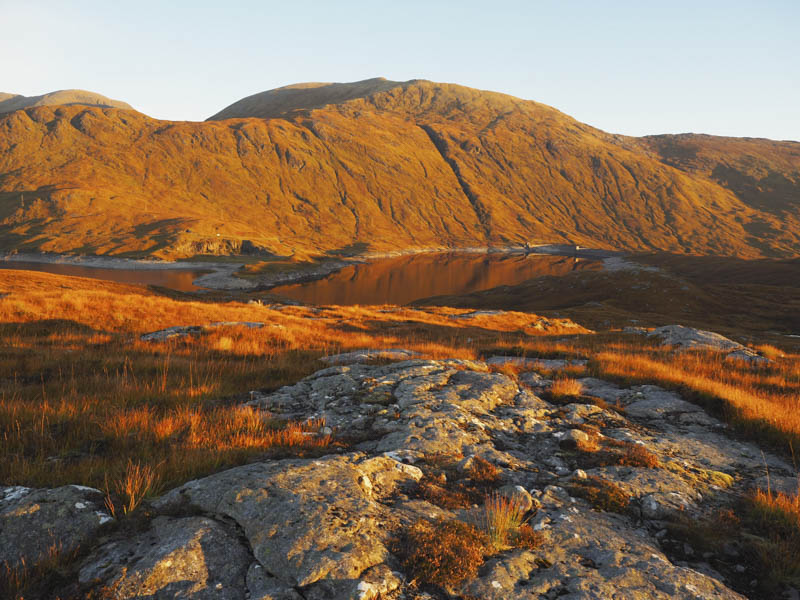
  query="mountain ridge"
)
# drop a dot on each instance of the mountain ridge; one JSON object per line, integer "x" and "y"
{"x": 13, "y": 102}
{"x": 381, "y": 165}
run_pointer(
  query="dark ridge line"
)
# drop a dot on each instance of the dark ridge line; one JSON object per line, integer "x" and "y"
{"x": 480, "y": 210}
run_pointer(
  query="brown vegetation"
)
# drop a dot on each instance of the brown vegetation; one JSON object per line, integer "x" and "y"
{"x": 443, "y": 553}
{"x": 610, "y": 452}
{"x": 445, "y": 486}
{"x": 601, "y": 494}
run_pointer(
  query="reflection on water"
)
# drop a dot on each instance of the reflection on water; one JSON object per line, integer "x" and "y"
{"x": 176, "y": 279}
{"x": 407, "y": 278}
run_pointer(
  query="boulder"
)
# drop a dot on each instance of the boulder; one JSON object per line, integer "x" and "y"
{"x": 688, "y": 337}
{"x": 367, "y": 355}
{"x": 190, "y": 330}
{"x": 519, "y": 495}
{"x": 193, "y": 557}
{"x": 572, "y": 438}
{"x": 37, "y": 522}
{"x": 307, "y": 521}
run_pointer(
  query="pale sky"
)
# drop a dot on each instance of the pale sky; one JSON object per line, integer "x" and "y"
{"x": 633, "y": 67}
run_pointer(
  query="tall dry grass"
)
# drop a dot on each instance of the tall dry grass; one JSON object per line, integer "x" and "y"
{"x": 762, "y": 402}
{"x": 500, "y": 518}
{"x": 82, "y": 395}
{"x": 565, "y": 387}
{"x": 81, "y": 391}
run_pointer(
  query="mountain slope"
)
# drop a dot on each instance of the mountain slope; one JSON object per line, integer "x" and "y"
{"x": 374, "y": 164}
{"x": 764, "y": 174}
{"x": 12, "y": 102}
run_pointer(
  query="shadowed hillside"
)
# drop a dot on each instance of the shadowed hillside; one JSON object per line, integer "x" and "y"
{"x": 377, "y": 164}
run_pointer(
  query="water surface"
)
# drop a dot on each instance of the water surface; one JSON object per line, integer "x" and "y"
{"x": 176, "y": 279}
{"x": 408, "y": 278}
{"x": 398, "y": 280}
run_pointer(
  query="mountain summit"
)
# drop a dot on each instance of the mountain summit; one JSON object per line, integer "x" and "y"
{"x": 383, "y": 165}
{"x": 12, "y": 102}
{"x": 301, "y": 96}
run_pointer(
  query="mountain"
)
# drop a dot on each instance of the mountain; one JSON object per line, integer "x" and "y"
{"x": 283, "y": 101}
{"x": 383, "y": 165}
{"x": 12, "y": 102}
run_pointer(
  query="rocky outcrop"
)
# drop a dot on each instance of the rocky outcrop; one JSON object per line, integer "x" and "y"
{"x": 690, "y": 338}
{"x": 538, "y": 323}
{"x": 316, "y": 525}
{"x": 366, "y": 355}
{"x": 323, "y": 528}
{"x": 182, "y": 331}
{"x": 553, "y": 364}
{"x": 192, "y": 557}
{"x": 36, "y": 524}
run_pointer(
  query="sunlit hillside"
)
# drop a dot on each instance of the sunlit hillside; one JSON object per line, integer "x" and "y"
{"x": 380, "y": 165}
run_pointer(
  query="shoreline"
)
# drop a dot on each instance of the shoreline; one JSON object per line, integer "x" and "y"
{"x": 221, "y": 276}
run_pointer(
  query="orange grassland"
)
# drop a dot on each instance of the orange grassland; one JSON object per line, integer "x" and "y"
{"x": 81, "y": 392}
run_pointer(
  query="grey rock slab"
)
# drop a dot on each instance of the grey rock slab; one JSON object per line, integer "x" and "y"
{"x": 306, "y": 520}
{"x": 171, "y": 333}
{"x": 377, "y": 583}
{"x": 190, "y": 330}
{"x": 655, "y": 402}
{"x": 747, "y": 355}
{"x": 246, "y": 324}
{"x": 689, "y": 337}
{"x": 591, "y": 555}
{"x": 366, "y": 355}
{"x": 421, "y": 406}
{"x": 604, "y": 390}
{"x": 34, "y": 520}
{"x": 778, "y": 484}
{"x": 534, "y": 380}
{"x": 263, "y": 586}
{"x": 553, "y": 364}
{"x": 193, "y": 557}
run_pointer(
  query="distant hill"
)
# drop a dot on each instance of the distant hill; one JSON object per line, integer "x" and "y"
{"x": 284, "y": 101}
{"x": 381, "y": 165}
{"x": 12, "y": 102}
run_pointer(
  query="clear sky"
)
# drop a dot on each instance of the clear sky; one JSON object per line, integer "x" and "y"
{"x": 635, "y": 67}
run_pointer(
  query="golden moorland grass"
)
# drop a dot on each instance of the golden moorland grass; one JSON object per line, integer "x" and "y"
{"x": 565, "y": 387}
{"x": 82, "y": 392}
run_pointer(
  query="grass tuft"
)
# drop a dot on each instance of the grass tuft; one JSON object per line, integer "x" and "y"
{"x": 565, "y": 387}
{"x": 138, "y": 482}
{"x": 501, "y": 519}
